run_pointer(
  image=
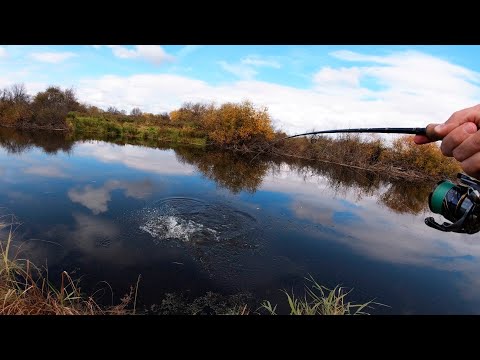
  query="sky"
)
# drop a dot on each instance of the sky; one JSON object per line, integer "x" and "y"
{"x": 304, "y": 87}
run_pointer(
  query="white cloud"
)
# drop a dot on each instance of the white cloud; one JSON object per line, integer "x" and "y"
{"x": 46, "y": 171}
{"x": 123, "y": 52}
{"x": 144, "y": 159}
{"x": 96, "y": 199}
{"x": 153, "y": 53}
{"x": 96, "y": 46}
{"x": 52, "y": 57}
{"x": 188, "y": 49}
{"x": 414, "y": 71}
{"x": 256, "y": 60}
{"x": 240, "y": 70}
{"x": 246, "y": 68}
{"x": 3, "y": 52}
{"x": 343, "y": 77}
{"x": 353, "y": 56}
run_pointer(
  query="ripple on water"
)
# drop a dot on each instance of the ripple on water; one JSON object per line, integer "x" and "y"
{"x": 196, "y": 222}
{"x": 227, "y": 243}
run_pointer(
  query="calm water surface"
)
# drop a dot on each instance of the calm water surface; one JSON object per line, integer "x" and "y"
{"x": 193, "y": 221}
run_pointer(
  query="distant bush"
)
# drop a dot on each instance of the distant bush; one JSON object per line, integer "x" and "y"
{"x": 238, "y": 124}
{"x": 14, "y": 106}
{"x": 403, "y": 158}
{"x": 47, "y": 110}
{"x": 405, "y": 154}
{"x": 230, "y": 124}
{"x": 190, "y": 114}
{"x": 50, "y": 108}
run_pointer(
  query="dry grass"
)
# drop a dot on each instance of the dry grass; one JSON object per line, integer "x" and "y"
{"x": 403, "y": 159}
{"x": 239, "y": 310}
{"x": 26, "y": 290}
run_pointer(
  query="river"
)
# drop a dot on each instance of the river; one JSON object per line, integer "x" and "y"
{"x": 190, "y": 221}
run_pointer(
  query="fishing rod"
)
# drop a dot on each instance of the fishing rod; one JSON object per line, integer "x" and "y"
{"x": 426, "y": 131}
{"x": 458, "y": 203}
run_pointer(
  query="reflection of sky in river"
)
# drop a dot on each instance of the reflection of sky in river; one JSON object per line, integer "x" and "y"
{"x": 350, "y": 237}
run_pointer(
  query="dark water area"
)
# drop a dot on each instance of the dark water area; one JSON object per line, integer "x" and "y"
{"x": 190, "y": 221}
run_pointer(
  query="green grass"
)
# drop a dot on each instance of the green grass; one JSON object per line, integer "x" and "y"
{"x": 320, "y": 300}
{"x": 105, "y": 129}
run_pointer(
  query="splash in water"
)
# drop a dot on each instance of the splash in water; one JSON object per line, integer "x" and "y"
{"x": 196, "y": 222}
{"x": 174, "y": 227}
{"x": 216, "y": 235}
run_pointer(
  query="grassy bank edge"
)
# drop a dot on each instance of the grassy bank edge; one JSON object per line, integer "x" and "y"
{"x": 25, "y": 289}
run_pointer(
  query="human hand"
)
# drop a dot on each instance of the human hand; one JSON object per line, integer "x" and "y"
{"x": 460, "y": 138}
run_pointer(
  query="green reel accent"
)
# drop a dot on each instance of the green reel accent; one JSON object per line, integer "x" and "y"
{"x": 438, "y": 195}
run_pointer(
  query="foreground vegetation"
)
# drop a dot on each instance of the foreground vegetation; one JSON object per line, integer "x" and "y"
{"x": 27, "y": 290}
{"x": 320, "y": 300}
{"x": 241, "y": 127}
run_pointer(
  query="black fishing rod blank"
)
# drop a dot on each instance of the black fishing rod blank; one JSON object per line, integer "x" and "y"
{"x": 426, "y": 131}
{"x": 413, "y": 131}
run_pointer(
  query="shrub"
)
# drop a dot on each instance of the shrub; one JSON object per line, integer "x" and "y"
{"x": 238, "y": 124}
{"x": 50, "y": 108}
{"x": 407, "y": 155}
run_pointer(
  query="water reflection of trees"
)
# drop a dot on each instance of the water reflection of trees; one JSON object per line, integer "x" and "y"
{"x": 404, "y": 197}
{"x": 240, "y": 173}
{"x": 340, "y": 179}
{"x": 15, "y": 141}
{"x": 228, "y": 170}
{"x": 400, "y": 196}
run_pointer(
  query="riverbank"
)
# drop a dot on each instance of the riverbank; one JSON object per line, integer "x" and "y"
{"x": 26, "y": 289}
{"x": 402, "y": 160}
{"x": 237, "y": 127}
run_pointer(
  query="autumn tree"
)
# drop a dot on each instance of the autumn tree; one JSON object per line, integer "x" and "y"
{"x": 191, "y": 113}
{"x": 238, "y": 124}
{"x": 50, "y": 108}
{"x": 136, "y": 112}
{"x": 113, "y": 110}
{"x": 14, "y": 105}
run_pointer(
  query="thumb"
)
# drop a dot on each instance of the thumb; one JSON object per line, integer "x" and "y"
{"x": 442, "y": 130}
{"x": 436, "y": 132}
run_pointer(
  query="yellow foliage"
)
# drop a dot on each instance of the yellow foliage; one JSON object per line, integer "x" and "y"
{"x": 175, "y": 115}
{"x": 236, "y": 124}
{"x": 427, "y": 157}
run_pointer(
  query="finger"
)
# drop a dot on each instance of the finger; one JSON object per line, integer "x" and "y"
{"x": 421, "y": 139}
{"x": 457, "y": 137}
{"x": 469, "y": 147}
{"x": 431, "y": 134}
{"x": 458, "y": 118}
{"x": 471, "y": 166}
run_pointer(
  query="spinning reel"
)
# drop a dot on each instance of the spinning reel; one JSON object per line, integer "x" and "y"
{"x": 458, "y": 203}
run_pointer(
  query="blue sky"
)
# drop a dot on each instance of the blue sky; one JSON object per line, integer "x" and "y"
{"x": 304, "y": 87}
